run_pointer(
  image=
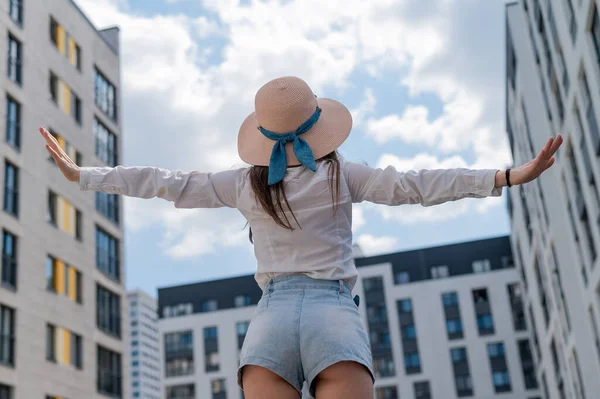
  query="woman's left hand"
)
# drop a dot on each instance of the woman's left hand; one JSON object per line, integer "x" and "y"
{"x": 534, "y": 168}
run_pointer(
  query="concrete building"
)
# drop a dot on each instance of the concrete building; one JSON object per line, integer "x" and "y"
{"x": 62, "y": 283}
{"x": 553, "y": 75}
{"x": 144, "y": 345}
{"x": 444, "y": 322}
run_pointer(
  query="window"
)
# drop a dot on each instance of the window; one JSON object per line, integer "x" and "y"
{"x": 65, "y": 44}
{"x": 516, "y": 304}
{"x": 242, "y": 300}
{"x": 13, "y": 123}
{"x": 109, "y": 373}
{"x": 402, "y": 278}
{"x": 70, "y": 217}
{"x": 181, "y": 391}
{"x": 485, "y": 322}
{"x": 588, "y": 108}
{"x": 15, "y": 70}
{"x": 595, "y": 32}
{"x": 412, "y": 363}
{"x": 106, "y": 144}
{"x": 108, "y": 205}
{"x": 11, "y": 189}
{"x": 409, "y": 331}
{"x": 496, "y": 350}
{"x": 6, "y": 392}
{"x": 422, "y": 390}
{"x": 65, "y": 98}
{"x": 405, "y": 305}
{"x": 383, "y": 366}
{"x": 179, "y": 342}
{"x": 107, "y": 254}
{"x": 9, "y": 259}
{"x": 15, "y": 11}
{"x": 450, "y": 299}
{"x": 439, "y": 272}
{"x": 386, "y": 393}
{"x": 458, "y": 355}
{"x": 481, "y": 266}
{"x": 511, "y": 62}
{"x": 108, "y": 311}
{"x": 7, "y": 336}
{"x": 63, "y": 346}
{"x": 209, "y": 306}
{"x": 501, "y": 381}
{"x": 63, "y": 279}
{"x": 454, "y": 328}
{"x": 241, "y": 329}
{"x": 210, "y": 332}
{"x": 464, "y": 386}
{"x": 218, "y": 388}
{"x": 105, "y": 95}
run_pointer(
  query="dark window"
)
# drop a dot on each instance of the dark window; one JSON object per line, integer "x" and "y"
{"x": 105, "y": 95}
{"x": 218, "y": 389}
{"x": 9, "y": 259}
{"x": 588, "y": 109}
{"x": 527, "y": 364}
{"x": 241, "y": 329}
{"x": 402, "y": 278}
{"x": 386, "y": 393}
{"x": 458, "y": 355}
{"x": 483, "y": 311}
{"x": 464, "y": 386}
{"x": 595, "y": 32}
{"x": 501, "y": 381}
{"x": 450, "y": 299}
{"x": 242, "y": 300}
{"x": 15, "y": 60}
{"x": 409, "y": 331}
{"x": 211, "y": 349}
{"x": 405, "y": 305}
{"x": 516, "y": 303}
{"x": 454, "y": 328}
{"x": 500, "y": 376}
{"x": 11, "y": 189}
{"x": 209, "y": 306}
{"x": 107, "y": 254}
{"x": 108, "y": 205}
{"x": 422, "y": 390}
{"x": 179, "y": 342}
{"x": 511, "y": 62}
{"x": 412, "y": 362}
{"x": 109, "y": 373}
{"x": 15, "y": 11}
{"x": 50, "y": 343}
{"x": 108, "y": 311}
{"x": 181, "y": 391}
{"x": 7, "y": 336}
{"x": 13, "y": 123}
{"x": 106, "y": 144}
{"x": 439, "y": 272}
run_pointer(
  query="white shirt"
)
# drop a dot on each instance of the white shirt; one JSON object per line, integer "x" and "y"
{"x": 322, "y": 247}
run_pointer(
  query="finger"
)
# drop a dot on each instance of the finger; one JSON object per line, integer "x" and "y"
{"x": 555, "y": 146}
{"x": 55, "y": 155}
{"x": 50, "y": 139}
{"x": 549, "y": 163}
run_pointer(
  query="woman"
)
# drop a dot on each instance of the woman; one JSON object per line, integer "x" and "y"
{"x": 297, "y": 198}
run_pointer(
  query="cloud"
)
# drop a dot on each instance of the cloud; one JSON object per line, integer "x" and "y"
{"x": 371, "y": 245}
{"x": 366, "y": 107}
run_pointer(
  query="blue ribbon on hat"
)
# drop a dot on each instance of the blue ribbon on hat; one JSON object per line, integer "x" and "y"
{"x": 278, "y": 162}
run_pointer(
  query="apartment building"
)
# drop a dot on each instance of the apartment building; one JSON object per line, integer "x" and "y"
{"x": 553, "y": 75}
{"x": 62, "y": 290}
{"x": 444, "y": 322}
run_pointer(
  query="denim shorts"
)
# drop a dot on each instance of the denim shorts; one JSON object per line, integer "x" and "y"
{"x": 302, "y": 326}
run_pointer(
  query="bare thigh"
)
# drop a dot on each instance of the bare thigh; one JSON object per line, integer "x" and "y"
{"x": 347, "y": 380}
{"x": 260, "y": 383}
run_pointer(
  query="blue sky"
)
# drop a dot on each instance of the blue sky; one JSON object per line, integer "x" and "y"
{"x": 424, "y": 81}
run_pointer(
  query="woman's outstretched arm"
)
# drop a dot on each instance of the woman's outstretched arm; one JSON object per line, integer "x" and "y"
{"x": 185, "y": 189}
{"x": 431, "y": 187}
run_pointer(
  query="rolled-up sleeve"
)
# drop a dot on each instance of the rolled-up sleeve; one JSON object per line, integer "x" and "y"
{"x": 426, "y": 187}
{"x": 185, "y": 189}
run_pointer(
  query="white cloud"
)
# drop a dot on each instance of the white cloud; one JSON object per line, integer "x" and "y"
{"x": 366, "y": 107}
{"x": 172, "y": 95}
{"x": 358, "y": 218}
{"x": 371, "y": 245}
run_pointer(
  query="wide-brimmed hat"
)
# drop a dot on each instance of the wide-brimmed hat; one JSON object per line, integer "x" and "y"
{"x": 291, "y": 126}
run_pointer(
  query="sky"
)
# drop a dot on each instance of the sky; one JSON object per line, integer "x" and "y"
{"x": 424, "y": 81}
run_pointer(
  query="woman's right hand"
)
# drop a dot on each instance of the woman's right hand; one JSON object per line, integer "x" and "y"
{"x": 66, "y": 165}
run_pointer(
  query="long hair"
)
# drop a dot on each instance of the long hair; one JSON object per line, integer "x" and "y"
{"x": 272, "y": 198}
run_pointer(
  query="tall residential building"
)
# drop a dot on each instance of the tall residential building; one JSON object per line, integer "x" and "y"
{"x": 62, "y": 291}
{"x": 444, "y": 322}
{"x": 144, "y": 346}
{"x": 553, "y": 75}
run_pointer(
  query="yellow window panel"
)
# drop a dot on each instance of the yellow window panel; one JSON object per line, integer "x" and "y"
{"x": 72, "y": 53}
{"x": 72, "y": 276}
{"x": 61, "y": 142}
{"x": 58, "y": 344}
{"x": 61, "y": 93}
{"x": 60, "y": 276}
{"x": 66, "y": 347}
{"x": 68, "y": 217}
{"x": 60, "y": 212}
{"x": 60, "y": 39}
{"x": 72, "y": 220}
{"x": 67, "y": 99}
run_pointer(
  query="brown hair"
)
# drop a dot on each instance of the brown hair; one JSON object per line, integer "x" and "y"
{"x": 272, "y": 198}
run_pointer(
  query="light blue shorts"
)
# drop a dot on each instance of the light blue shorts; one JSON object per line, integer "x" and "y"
{"x": 302, "y": 326}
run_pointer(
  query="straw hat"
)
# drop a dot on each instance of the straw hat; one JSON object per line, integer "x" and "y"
{"x": 284, "y": 107}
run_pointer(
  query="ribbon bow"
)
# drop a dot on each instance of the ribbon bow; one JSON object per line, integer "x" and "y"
{"x": 278, "y": 161}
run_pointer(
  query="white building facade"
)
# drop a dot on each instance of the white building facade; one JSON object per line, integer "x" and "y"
{"x": 553, "y": 75}
{"x": 143, "y": 346}
{"x": 444, "y": 322}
